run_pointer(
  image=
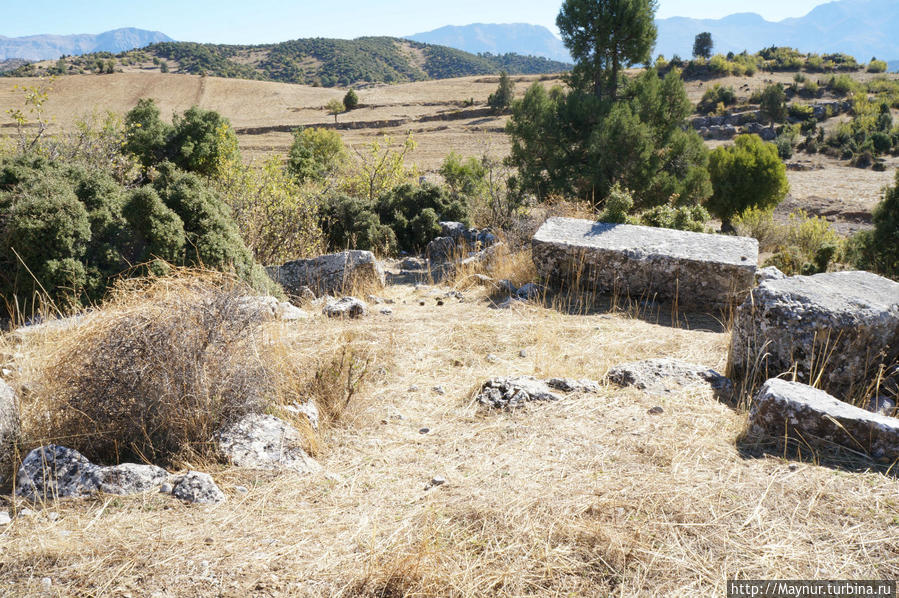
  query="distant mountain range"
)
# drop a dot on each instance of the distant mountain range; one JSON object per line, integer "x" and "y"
{"x": 862, "y": 28}
{"x": 478, "y": 38}
{"x": 51, "y": 47}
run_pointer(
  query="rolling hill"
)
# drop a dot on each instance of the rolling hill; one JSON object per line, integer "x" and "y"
{"x": 313, "y": 61}
{"x": 519, "y": 38}
{"x": 861, "y": 28}
{"x": 51, "y": 47}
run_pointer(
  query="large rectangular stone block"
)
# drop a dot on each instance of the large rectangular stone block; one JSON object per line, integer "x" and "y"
{"x": 333, "y": 273}
{"x": 839, "y": 328}
{"x": 702, "y": 271}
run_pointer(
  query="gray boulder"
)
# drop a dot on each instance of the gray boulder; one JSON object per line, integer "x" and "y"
{"x": 348, "y": 307}
{"x": 413, "y": 264}
{"x": 511, "y": 393}
{"x": 441, "y": 250}
{"x": 307, "y": 410}
{"x": 841, "y": 325}
{"x": 793, "y": 410}
{"x": 667, "y": 375}
{"x": 332, "y": 273}
{"x": 53, "y": 471}
{"x": 196, "y": 487}
{"x": 769, "y": 273}
{"x": 269, "y": 308}
{"x": 704, "y": 272}
{"x": 265, "y": 442}
{"x": 529, "y": 291}
{"x": 462, "y": 235}
{"x": 9, "y": 427}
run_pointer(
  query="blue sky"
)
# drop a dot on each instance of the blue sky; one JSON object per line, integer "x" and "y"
{"x": 263, "y": 21}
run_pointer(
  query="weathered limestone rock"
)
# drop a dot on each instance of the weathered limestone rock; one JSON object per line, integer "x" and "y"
{"x": 348, "y": 307}
{"x": 667, "y": 375}
{"x": 769, "y": 273}
{"x": 332, "y": 273}
{"x": 269, "y": 308}
{"x": 265, "y": 442}
{"x": 54, "y": 471}
{"x": 842, "y": 325}
{"x": 572, "y": 385}
{"x": 702, "y": 271}
{"x": 511, "y": 393}
{"x": 9, "y": 427}
{"x": 794, "y": 410}
{"x": 440, "y": 250}
{"x": 197, "y": 487}
{"x": 472, "y": 237}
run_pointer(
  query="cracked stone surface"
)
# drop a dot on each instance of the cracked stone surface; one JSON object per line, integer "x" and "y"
{"x": 667, "y": 375}
{"x": 347, "y": 307}
{"x": 332, "y": 273}
{"x": 807, "y": 414}
{"x": 196, "y": 487}
{"x": 704, "y": 272}
{"x": 511, "y": 393}
{"x": 265, "y": 442}
{"x": 844, "y": 325}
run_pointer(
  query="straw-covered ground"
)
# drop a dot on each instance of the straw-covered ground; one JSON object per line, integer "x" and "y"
{"x": 590, "y": 496}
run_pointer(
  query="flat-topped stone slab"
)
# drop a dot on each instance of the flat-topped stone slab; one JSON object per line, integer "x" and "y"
{"x": 701, "y": 271}
{"x": 334, "y": 273}
{"x": 841, "y": 326}
{"x": 793, "y": 410}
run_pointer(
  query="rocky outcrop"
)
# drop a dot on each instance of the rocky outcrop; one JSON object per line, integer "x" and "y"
{"x": 53, "y": 471}
{"x": 196, "y": 487}
{"x": 703, "y": 272}
{"x": 793, "y": 410}
{"x": 9, "y": 428}
{"x": 667, "y": 375}
{"x": 265, "y": 442}
{"x": 841, "y": 326}
{"x": 470, "y": 237}
{"x": 269, "y": 308}
{"x": 333, "y": 273}
{"x": 511, "y": 393}
{"x": 347, "y": 307}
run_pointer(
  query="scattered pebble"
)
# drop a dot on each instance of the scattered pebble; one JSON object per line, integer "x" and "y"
{"x": 436, "y": 481}
{"x": 52, "y": 515}
{"x": 26, "y": 512}
{"x": 793, "y": 467}
{"x": 386, "y": 311}
{"x": 166, "y": 488}
{"x": 5, "y": 519}
{"x": 657, "y": 410}
{"x": 439, "y": 390}
{"x": 491, "y": 358}
{"x": 440, "y": 302}
{"x": 424, "y": 430}
{"x": 522, "y": 353}
{"x": 413, "y": 388}
{"x": 242, "y": 489}
{"x": 46, "y": 583}
{"x": 421, "y": 301}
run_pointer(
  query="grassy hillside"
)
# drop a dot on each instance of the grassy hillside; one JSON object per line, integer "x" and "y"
{"x": 313, "y": 61}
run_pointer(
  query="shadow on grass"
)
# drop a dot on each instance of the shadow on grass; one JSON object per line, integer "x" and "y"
{"x": 820, "y": 453}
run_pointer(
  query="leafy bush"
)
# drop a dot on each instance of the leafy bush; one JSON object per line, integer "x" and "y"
{"x": 689, "y": 218}
{"x": 878, "y": 249}
{"x": 413, "y": 211}
{"x": 618, "y": 206}
{"x": 716, "y": 94}
{"x": 773, "y": 102}
{"x": 808, "y": 246}
{"x": 801, "y": 111}
{"x": 67, "y": 232}
{"x": 350, "y": 100}
{"x": 316, "y": 154}
{"x": 351, "y": 223}
{"x": 877, "y": 66}
{"x": 197, "y": 141}
{"x": 744, "y": 175}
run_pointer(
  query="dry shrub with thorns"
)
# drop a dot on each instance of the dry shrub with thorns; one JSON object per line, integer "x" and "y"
{"x": 156, "y": 372}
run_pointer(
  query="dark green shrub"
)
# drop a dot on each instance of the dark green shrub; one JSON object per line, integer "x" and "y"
{"x": 350, "y": 100}
{"x": 878, "y": 249}
{"x": 745, "y": 175}
{"x": 773, "y": 102}
{"x": 618, "y": 206}
{"x": 689, "y": 218}
{"x": 501, "y": 99}
{"x": 413, "y": 211}
{"x": 315, "y": 154}
{"x": 351, "y": 223}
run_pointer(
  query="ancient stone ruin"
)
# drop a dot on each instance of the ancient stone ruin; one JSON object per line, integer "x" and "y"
{"x": 701, "y": 271}
{"x": 333, "y": 273}
{"x": 837, "y": 329}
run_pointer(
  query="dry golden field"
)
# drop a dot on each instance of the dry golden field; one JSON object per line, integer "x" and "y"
{"x": 591, "y": 496}
{"x": 439, "y": 114}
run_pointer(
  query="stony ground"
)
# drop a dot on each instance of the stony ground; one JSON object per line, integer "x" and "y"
{"x": 590, "y": 496}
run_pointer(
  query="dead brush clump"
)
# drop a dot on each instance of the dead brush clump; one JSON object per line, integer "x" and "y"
{"x": 154, "y": 373}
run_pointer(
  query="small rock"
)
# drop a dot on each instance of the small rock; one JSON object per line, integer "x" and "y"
{"x": 413, "y": 263}
{"x": 440, "y": 303}
{"x": 483, "y": 280}
{"x": 491, "y": 358}
{"x": 166, "y": 488}
{"x": 439, "y": 390}
{"x": 530, "y": 291}
{"x": 5, "y": 519}
{"x": 348, "y": 307}
{"x": 572, "y": 385}
{"x": 242, "y": 489}
{"x": 196, "y": 487}
{"x": 667, "y": 375}
{"x": 46, "y": 583}
{"x": 308, "y": 410}
{"x": 52, "y": 515}
{"x": 265, "y": 442}
{"x": 882, "y": 405}
{"x": 374, "y": 299}
{"x": 508, "y": 303}
{"x": 386, "y": 311}
{"x": 657, "y": 410}
{"x": 522, "y": 353}
{"x": 793, "y": 467}
{"x": 768, "y": 273}
{"x": 287, "y": 312}
{"x": 421, "y": 302}
{"x": 424, "y": 430}
{"x": 413, "y": 388}
{"x": 507, "y": 286}
{"x": 436, "y": 481}
{"x": 510, "y": 393}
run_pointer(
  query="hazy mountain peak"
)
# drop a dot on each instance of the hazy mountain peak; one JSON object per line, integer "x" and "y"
{"x": 498, "y": 38}
{"x": 48, "y": 47}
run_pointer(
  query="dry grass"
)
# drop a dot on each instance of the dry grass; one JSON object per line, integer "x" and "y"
{"x": 589, "y": 497}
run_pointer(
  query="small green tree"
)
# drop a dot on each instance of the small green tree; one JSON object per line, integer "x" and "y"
{"x": 702, "y": 45}
{"x": 163, "y": 67}
{"x": 316, "y": 154}
{"x": 878, "y": 249}
{"x": 501, "y": 99}
{"x": 350, "y": 100}
{"x": 335, "y": 108}
{"x": 774, "y": 102}
{"x": 748, "y": 174}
